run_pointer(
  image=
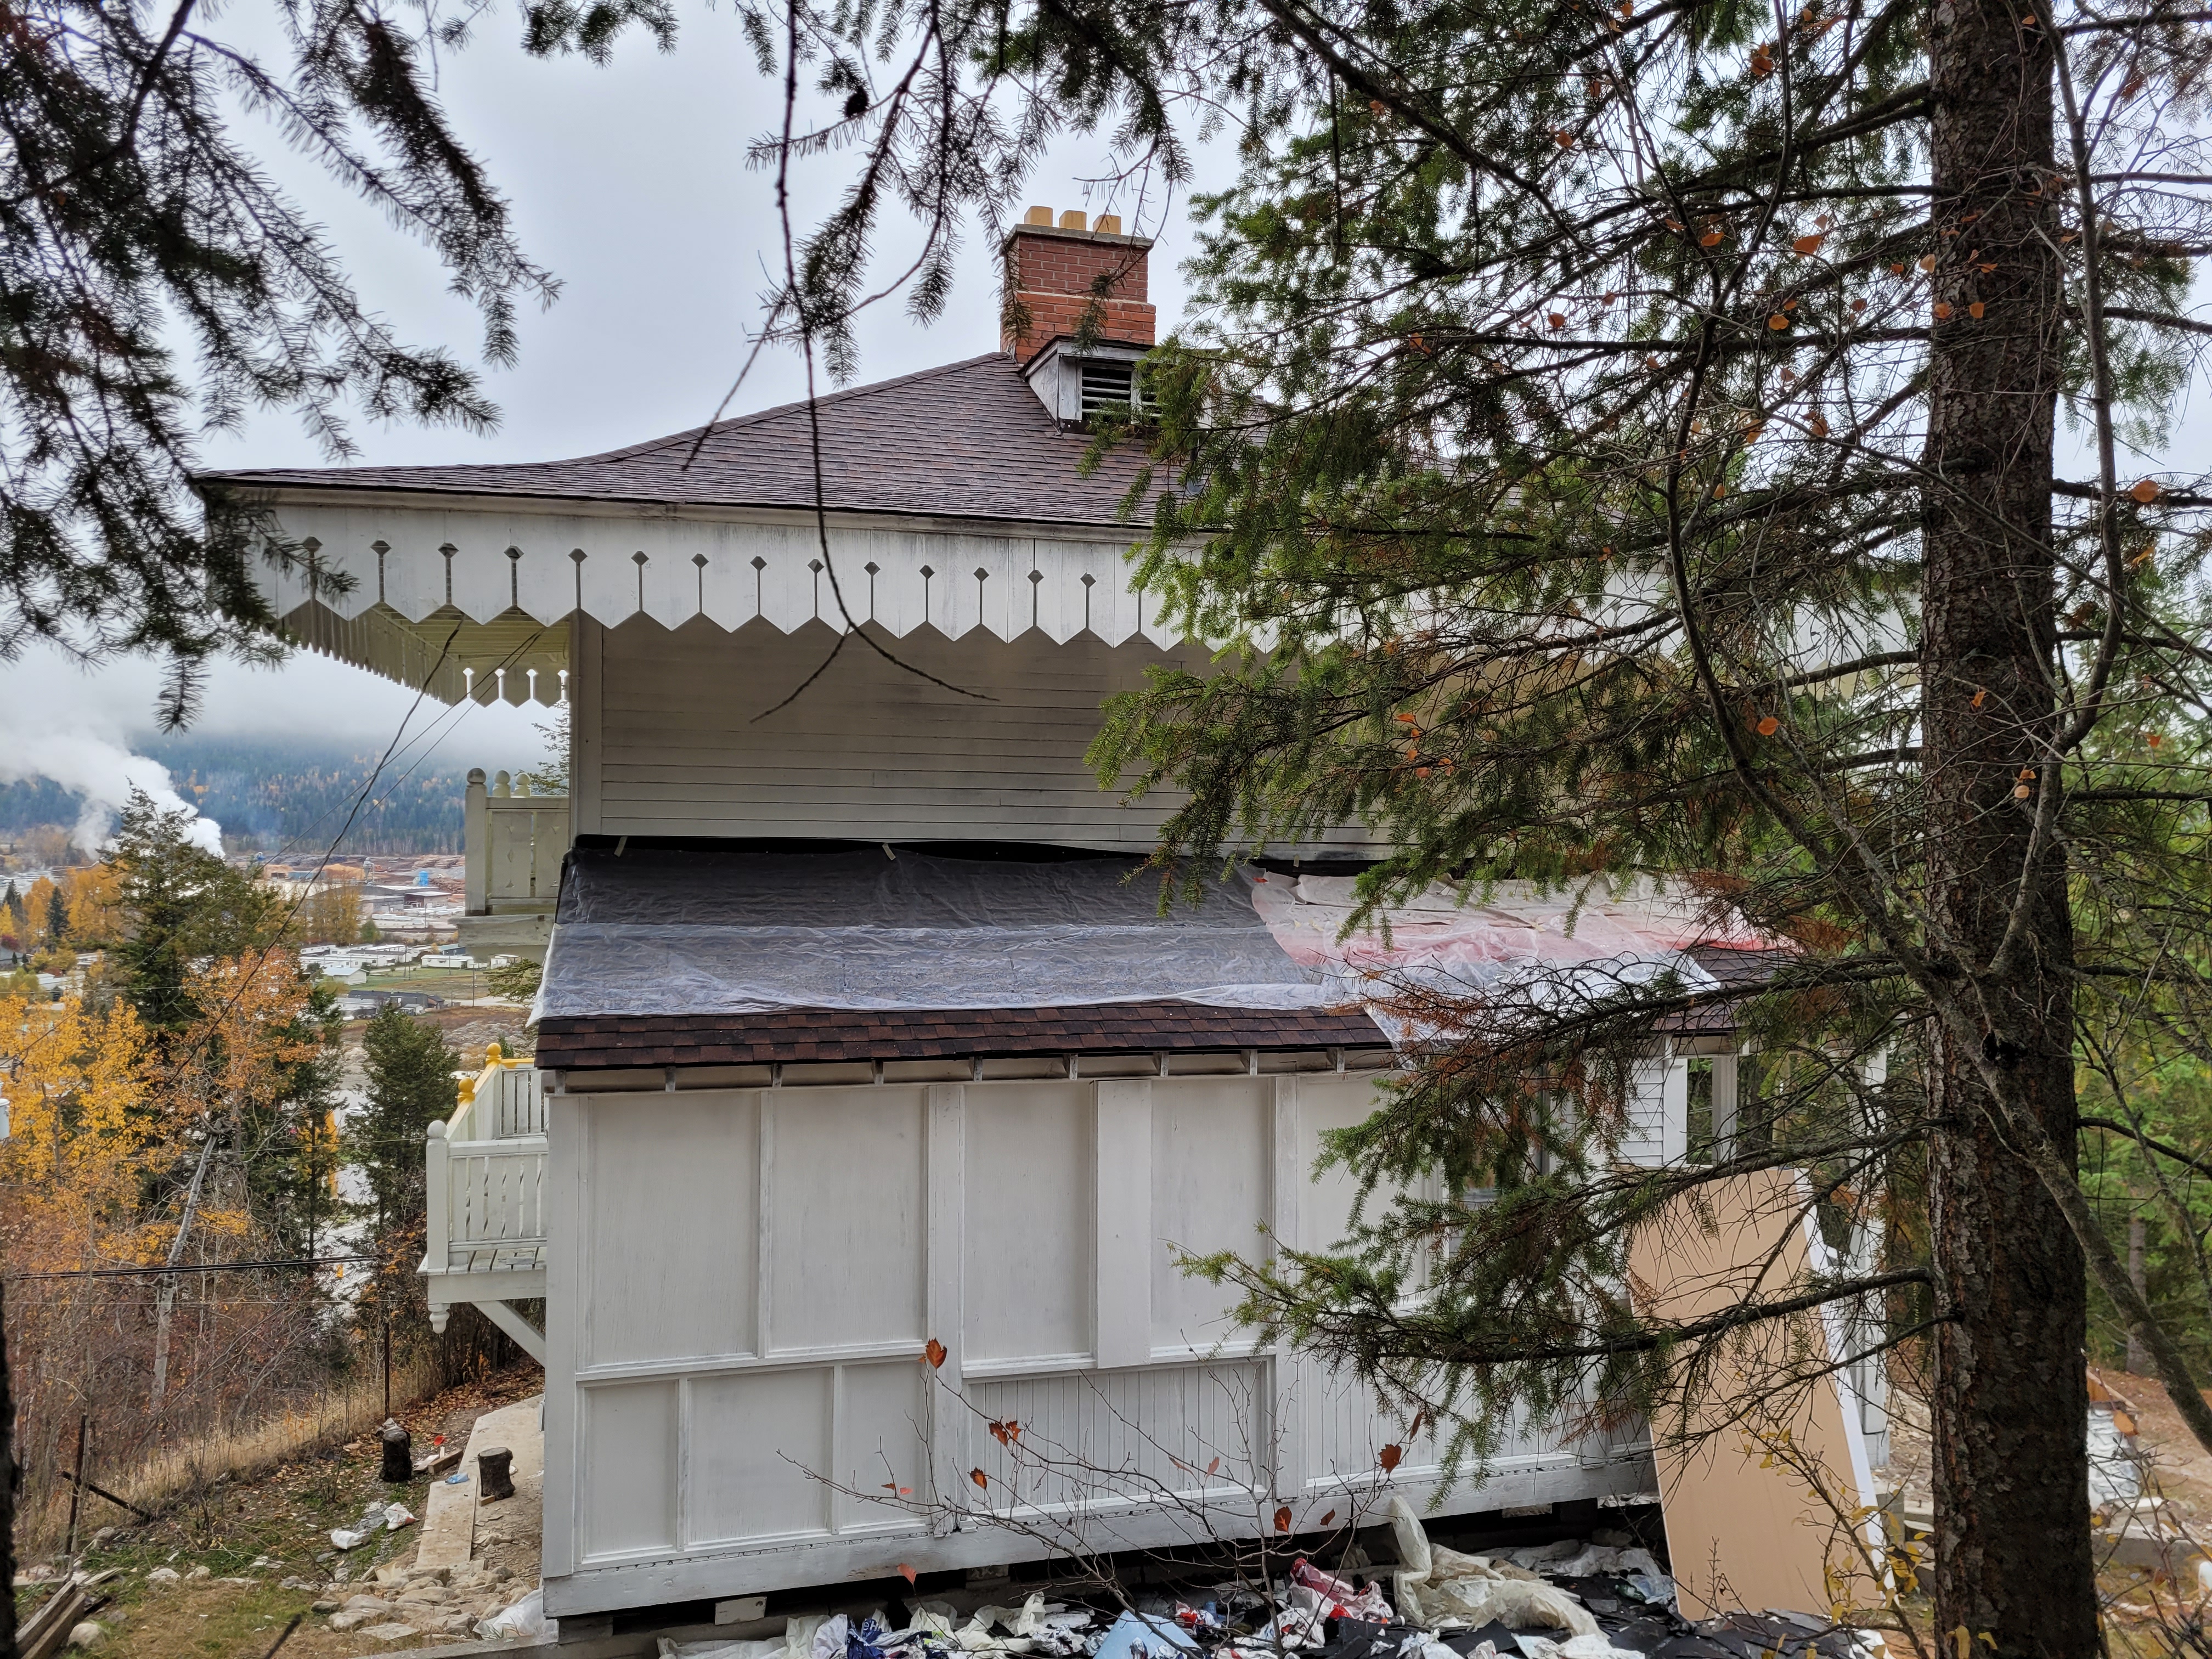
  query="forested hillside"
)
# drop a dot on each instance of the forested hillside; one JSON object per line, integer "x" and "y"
{"x": 284, "y": 795}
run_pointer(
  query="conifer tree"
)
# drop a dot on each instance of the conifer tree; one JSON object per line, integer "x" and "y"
{"x": 159, "y": 282}
{"x": 1620, "y": 443}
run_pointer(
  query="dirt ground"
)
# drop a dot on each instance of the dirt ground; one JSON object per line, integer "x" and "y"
{"x": 252, "y": 1553}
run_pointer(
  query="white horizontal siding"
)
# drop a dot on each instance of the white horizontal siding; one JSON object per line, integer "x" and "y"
{"x": 676, "y": 743}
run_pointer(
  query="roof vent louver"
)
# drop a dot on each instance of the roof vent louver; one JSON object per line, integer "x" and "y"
{"x": 1105, "y": 386}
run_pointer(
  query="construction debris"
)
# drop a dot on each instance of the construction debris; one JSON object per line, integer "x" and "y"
{"x": 1567, "y": 1599}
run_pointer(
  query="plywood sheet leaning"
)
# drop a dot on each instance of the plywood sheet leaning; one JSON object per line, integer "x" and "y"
{"x": 1760, "y": 1489}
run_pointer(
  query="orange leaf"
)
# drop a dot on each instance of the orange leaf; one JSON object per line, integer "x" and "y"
{"x": 935, "y": 1353}
{"x": 1390, "y": 1457}
{"x": 2021, "y": 791}
{"x": 906, "y": 1571}
{"x": 2153, "y": 740}
{"x": 1719, "y": 490}
{"x": 1819, "y": 425}
{"x": 980, "y": 1479}
{"x": 1928, "y": 262}
{"x": 1013, "y": 1430}
{"x": 2146, "y": 492}
{"x": 999, "y": 1432}
{"x": 1896, "y": 270}
{"x": 1761, "y": 65}
{"x": 1556, "y": 320}
{"x": 1942, "y": 310}
{"x": 1777, "y": 321}
{"x": 1330, "y": 1517}
{"x": 1282, "y": 1518}
{"x": 1769, "y": 727}
{"x": 1981, "y": 695}
{"x": 1563, "y": 139}
{"x": 1976, "y": 309}
{"x": 1808, "y": 244}
{"x": 1421, "y": 1415}
{"x": 1214, "y": 1465}
{"x": 1710, "y": 239}
{"x": 1858, "y": 305}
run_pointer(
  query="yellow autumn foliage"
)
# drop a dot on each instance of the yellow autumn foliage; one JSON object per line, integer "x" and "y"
{"x": 81, "y": 1139}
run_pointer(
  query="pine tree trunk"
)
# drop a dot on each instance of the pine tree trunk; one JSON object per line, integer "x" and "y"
{"x": 2011, "y": 1474}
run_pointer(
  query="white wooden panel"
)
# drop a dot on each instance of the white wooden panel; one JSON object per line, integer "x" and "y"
{"x": 1326, "y": 1202}
{"x": 1029, "y": 1178}
{"x": 629, "y": 1468}
{"x": 1123, "y": 1216}
{"x": 1651, "y": 1081}
{"x": 846, "y": 1175}
{"x": 759, "y": 1448}
{"x": 1211, "y": 1186}
{"x": 670, "y": 1198}
{"x": 869, "y": 750}
{"x": 880, "y": 1445}
{"x": 1094, "y": 1436}
{"x": 1346, "y": 1431}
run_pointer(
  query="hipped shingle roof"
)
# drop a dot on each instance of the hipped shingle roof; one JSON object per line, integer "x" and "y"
{"x": 969, "y": 440}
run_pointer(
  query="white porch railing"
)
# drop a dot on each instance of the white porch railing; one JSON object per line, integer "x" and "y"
{"x": 484, "y": 1221}
{"x": 513, "y": 841}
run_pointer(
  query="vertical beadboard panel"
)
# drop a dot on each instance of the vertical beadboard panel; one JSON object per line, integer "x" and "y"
{"x": 1093, "y": 1438}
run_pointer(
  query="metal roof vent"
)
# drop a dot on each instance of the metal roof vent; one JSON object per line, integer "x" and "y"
{"x": 1106, "y": 385}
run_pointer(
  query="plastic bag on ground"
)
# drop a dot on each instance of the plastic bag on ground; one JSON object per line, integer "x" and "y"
{"x": 397, "y": 1516}
{"x": 525, "y": 1621}
{"x": 768, "y": 1648}
{"x": 1135, "y": 1636}
{"x": 1434, "y": 1584}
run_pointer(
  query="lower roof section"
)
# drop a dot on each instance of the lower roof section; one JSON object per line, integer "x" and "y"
{"x": 804, "y": 1036}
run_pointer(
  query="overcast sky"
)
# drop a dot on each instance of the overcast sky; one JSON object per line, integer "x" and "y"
{"x": 631, "y": 183}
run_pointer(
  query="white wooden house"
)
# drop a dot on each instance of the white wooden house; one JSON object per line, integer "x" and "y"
{"x": 853, "y": 1040}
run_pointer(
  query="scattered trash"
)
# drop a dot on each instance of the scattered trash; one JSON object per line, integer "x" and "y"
{"x": 397, "y": 1516}
{"x": 1604, "y": 1598}
{"x": 524, "y": 1621}
{"x": 1434, "y": 1584}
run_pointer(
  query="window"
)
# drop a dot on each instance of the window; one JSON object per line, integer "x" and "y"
{"x": 1105, "y": 386}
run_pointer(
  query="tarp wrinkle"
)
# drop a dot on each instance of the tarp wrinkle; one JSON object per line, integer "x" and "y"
{"x": 672, "y": 933}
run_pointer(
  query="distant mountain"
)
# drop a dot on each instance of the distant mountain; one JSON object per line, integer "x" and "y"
{"x": 287, "y": 795}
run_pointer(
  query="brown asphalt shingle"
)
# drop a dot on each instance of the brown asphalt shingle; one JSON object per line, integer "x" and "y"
{"x": 969, "y": 440}
{"x": 823, "y": 1034}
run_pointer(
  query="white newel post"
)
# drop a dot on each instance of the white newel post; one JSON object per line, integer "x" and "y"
{"x": 437, "y": 1214}
{"x": 476, "y": 845}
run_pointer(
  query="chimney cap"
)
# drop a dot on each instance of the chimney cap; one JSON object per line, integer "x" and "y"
{"x": 1037, "y": 216}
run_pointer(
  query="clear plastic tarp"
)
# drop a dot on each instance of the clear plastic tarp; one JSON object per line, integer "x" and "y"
{"x": 668, "y": 932}
{"x": 662, "y": 931}
{"x": 1514, "y": 948}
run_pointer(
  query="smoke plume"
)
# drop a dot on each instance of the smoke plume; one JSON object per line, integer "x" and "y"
{"x": 105, "y": 774}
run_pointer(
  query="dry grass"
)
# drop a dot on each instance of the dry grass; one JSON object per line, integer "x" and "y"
{"x": 268, "y": 1527}
{"x": 178, "y": 1472}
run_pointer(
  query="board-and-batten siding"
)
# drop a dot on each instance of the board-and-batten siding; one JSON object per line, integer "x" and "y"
{"x": 671, "y": 741}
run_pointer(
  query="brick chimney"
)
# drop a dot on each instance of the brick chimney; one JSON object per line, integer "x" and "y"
{"x": 1051, "y": 269}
